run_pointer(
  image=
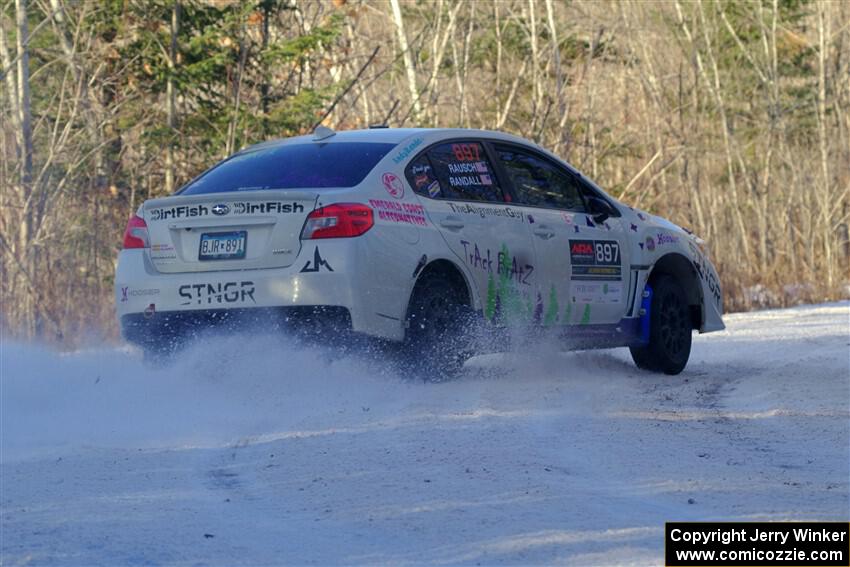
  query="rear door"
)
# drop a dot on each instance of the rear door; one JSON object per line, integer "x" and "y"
{"x": 582, "y": 263}
{"x": 465, "y": 201}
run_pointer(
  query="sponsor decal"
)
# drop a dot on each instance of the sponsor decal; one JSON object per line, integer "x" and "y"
{"x": 126, "y": 293}
{"x": 239, "y": 208}
{"x": 217, "y": 293}
{"x": 163, "y": 252}
{"x": 179, "y": 212}
{"x": 393, "y": 185}
{"x": 392, "y": 211}
{"x": 595, "y": 260}
{"x": 407, "y": 150}
{"x": 482, "y": 259}
{"x": 650, "y": 243}
{"x": 317, "y": 264}
{"x": 597, "y": 292}
{"x": 483, "y": 212}
{"x": 247, "y": 207}
{"x": 434, "y": 189}
{"x": 220, "y": 209}
{"x": 509, "y": 295}
{"x": 666, "y": 239}
{"x": 568, "y": 218}
{"x": 706, "y": 272}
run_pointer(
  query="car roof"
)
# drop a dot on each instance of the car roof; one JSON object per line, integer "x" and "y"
{"x": 390, "y": 136}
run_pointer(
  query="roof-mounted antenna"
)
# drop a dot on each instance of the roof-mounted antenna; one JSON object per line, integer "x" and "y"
{"x": 322, "y": 133}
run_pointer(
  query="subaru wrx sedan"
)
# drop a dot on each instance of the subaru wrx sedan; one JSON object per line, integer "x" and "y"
{"x": 414, "y": 236}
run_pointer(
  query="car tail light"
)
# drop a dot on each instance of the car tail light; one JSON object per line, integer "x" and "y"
{"x": 136, "y": 234}
{"x": 342, "y": 220}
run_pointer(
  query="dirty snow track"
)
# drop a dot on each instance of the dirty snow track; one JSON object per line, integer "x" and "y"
{"x": 254, "y": 452}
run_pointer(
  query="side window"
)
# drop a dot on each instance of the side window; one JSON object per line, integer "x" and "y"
{"x": 539, "y": 182}
{"x": 421, "y": 177}
{"x": 464, "y": 172}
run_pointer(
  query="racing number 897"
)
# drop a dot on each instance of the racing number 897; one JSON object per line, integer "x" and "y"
{"x": 607, "y": 253}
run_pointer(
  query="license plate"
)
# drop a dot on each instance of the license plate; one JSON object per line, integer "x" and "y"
{"x": 223, "y": 245}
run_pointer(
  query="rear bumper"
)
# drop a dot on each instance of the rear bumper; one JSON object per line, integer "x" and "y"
{"x": 339, "y": 279}
{"x": 167, "y": 329}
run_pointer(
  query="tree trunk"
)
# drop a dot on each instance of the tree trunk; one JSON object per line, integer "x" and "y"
{"x": 26, "y": 252}
{"x": 171, "y": 111}
{"x": 408, "y": 61}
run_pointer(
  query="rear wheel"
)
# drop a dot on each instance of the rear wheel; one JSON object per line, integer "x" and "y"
{"x": 438, "y": 339}
{"x": 669, "y": 329}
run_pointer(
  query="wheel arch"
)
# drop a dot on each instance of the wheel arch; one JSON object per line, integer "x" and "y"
{"x": 447, "y": 269}
{"x": 682, "y": 270}
{"x": 442, "y": 267}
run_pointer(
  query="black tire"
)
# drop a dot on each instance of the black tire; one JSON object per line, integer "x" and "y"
{"x": 669, "y": 329}
{"x": 438, "y": 338}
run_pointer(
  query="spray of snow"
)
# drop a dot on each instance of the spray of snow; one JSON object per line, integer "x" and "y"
{"x": 248, "y": 386}
{"x": 253, "y": 449}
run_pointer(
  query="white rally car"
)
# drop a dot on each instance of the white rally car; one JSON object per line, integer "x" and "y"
{"x": 414, "y": 236}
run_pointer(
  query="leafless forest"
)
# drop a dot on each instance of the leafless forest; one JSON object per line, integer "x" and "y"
{"x": 730, "y": 118}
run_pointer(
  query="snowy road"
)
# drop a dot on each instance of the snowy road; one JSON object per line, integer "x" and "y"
{"x": 259, "y": 453}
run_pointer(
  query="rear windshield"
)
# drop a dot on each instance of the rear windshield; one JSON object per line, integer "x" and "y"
{"x": 300, "y": 166}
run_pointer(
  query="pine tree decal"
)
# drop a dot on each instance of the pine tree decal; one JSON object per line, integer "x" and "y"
{"x": 538, "y": 309}
{"x": 585, "y": 317}
{"x": 551, "y": 316}
{"x": 490, "y": 306}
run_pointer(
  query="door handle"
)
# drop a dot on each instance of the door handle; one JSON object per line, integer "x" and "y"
{"x": 544, "y": 232}
{"x": 452, "y": 223}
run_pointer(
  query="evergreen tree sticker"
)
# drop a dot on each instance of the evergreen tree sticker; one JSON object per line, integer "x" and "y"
{"x": 490, "y": 306}
{"x": 585, "y": 317}
{"x": 551, "y": 316}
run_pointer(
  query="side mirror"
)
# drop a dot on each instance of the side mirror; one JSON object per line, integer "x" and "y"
{"x": 599, "y": 209}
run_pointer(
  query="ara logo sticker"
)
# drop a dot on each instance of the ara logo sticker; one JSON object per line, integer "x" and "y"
{"x": 393, "y": 185}
{"x": 595, "y": 259}
{"x": 317, "y": 264}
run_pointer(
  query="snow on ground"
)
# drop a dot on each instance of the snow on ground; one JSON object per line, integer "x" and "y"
{"x": 252, "y": 451}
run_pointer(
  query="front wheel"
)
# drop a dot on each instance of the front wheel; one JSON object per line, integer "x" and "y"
{"x": 669, "y": 330}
